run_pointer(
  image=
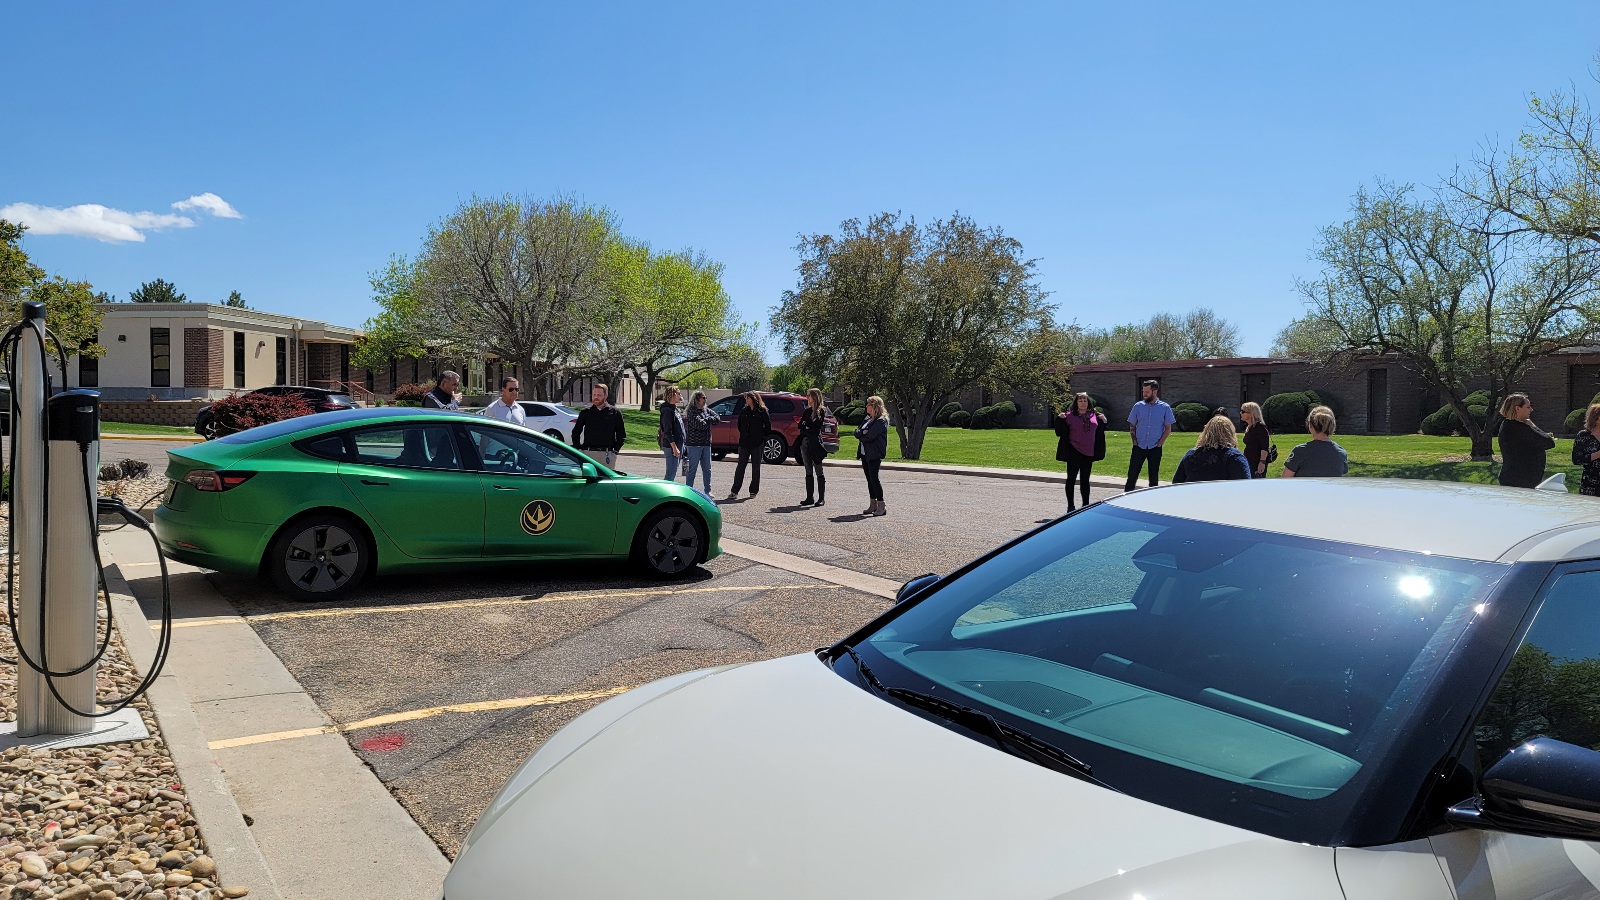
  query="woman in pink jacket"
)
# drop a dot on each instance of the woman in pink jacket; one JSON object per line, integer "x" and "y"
{"x": 1081, "y": 440}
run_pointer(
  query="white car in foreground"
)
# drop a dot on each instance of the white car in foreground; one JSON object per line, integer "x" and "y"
{"x": 1342, "y": 689}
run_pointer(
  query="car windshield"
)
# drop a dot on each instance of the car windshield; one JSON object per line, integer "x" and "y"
{"x": 565, "y": 410}
{"x": 1193, "y": 664}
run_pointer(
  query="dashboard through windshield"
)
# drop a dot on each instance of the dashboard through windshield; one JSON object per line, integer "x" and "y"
{"x": 1249, "y": 677}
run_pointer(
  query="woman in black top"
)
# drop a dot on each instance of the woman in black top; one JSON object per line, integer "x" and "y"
{"x": 811, "y": 452}
{"x": 1586, "y": 451}
{"x": 754, "y": 424}
{"x": 873, "y": 433}
{"x": 1257, "y": 440}
{"x": 1522, "y": 444}
{"x": 671, "y": 434}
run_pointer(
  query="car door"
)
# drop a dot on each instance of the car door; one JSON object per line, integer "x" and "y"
{"x": 537, "y": 501}
{"x": 725, "y": 434}
{"x": 412, "y": 482}
{"x": 1550, "y": 689}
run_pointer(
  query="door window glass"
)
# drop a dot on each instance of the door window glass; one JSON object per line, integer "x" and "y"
{"x": 414, "y": 446}
{"x": 536, "y": 410}
{"x": 726, "y": 406}
{"x": 509, "y": 453}
{"x": 1552, "y": 687}
{"x": 780, "y": 406}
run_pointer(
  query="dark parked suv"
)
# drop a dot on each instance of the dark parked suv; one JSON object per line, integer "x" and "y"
{"x": 321, "y": 400}
{"x": 782, "y": 441}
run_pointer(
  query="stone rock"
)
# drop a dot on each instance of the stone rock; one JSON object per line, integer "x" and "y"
{"x": 234, "y": 892}
{"x": 83, "y": 840}
{"x": 178, "y": 879}
{"x": 79, "y": 864}
{"x": 35, "y": 866}
{"x": 76, "y": 892}
{"x": 170, "y": 860}
{"x": 202, "y": 867}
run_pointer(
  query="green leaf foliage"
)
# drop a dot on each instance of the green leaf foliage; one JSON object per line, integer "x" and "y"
{"x": 158, "y": 291}
{"x": 71, "y": 310}
{"x": 1191, "y": 416}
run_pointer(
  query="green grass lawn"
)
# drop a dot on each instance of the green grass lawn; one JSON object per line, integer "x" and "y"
{"x": 1372, "y": 456}
{"x": 136, "y": 428}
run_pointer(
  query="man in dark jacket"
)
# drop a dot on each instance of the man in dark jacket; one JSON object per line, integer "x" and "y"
{"x": 443, "y": 395}
{"x": 599, "y": 428}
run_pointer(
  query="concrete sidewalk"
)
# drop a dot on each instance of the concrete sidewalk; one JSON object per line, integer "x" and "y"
{"x": 323, "y": 827}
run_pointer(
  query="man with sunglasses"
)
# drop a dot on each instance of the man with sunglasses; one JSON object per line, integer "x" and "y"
{"x": 506, "y": 408}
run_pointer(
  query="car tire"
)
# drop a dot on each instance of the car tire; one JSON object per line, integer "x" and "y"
{"x": 555, "y": 435}
{"x": 206, "y": 427}
{"x": 774, "y": 449}
{"x": 719, "y": 455}
{"x": 670, "y": 542}
{"x": 319, "y": 557}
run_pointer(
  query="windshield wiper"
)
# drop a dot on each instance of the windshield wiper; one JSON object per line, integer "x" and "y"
{"x": 1008, "y": 739}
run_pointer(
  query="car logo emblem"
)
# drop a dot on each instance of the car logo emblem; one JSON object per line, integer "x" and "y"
{"x": 537, "y": 517}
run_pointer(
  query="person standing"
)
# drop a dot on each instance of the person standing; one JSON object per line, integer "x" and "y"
{"x": 697, "y": 424}
{"x": 505, "y": 407}
{"x": 1080, "y": 441}
{"x": 1586, "y": 452}
{"x": 600, "y": 430}
{"x": 443, "y": 395}
{"x": 1522, "y": 443}
{"x": 671, "y": 435}
{"x": 1319, "y": 457}
{"x": 811, "y": 452}
{"x": 873, "y": 437}
{"x": 1215, "y": 456}
{"x": 1150, "y": 421}
{"x": 1257, "y": 440}
{"x": 754, "y": 424}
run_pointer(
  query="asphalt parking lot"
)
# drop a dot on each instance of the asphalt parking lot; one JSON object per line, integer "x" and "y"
{"x": 468, "y": 672}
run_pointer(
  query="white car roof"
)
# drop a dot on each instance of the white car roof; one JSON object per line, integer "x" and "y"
{"x": 1456, "y": 519}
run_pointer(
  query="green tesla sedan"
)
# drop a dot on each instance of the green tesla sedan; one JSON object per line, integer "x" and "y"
{"x": 320, "y": 501}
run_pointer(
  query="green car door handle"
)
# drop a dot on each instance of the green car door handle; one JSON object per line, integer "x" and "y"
{"x": 505, "y": 487}
{"x": 374, "y": 483}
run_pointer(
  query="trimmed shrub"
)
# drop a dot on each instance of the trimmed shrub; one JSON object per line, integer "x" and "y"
{"x": 1441, "y": 422}
{"x": 410, "y": 394}
{"x": 110, "y": 473}
{"x": 1191, "y": 416}
{"x": 852, "y": 413}
{"x": 1575, "y": 419}
{"x": 1286, "y": 413}
{"x": 999, "y": 415}
{"x": 961, "y": 418}
{"x": 942, "y": 417}
{"x": 243, "y": 411}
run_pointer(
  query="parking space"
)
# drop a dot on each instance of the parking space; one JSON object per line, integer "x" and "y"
{"x": 444, "y": 683}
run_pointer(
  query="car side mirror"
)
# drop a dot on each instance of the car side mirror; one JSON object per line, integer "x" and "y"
{"x": 1544, "y": 787}
{"x": 915, "y": 586}
{"x": 591, "y": 473}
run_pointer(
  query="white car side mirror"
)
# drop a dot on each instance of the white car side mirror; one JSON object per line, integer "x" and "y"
{"x": 1556, "y": 482}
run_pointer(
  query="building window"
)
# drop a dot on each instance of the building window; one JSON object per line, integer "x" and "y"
{"x": 88, "y": 366}
{"x": 394, "y": 373}
{"x": 416, "y": 370}
{"x": 344, "y": 364}
{"x": 283, "y": 361}
{"x": 160, "y": 357}
{"x": 238, "y": 359}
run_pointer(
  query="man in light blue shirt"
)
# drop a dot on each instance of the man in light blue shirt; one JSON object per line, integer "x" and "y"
{"x": 1151, "y": 421}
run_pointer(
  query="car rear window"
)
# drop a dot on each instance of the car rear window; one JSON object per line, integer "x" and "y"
{"x": 537, "y": 409}
{"x": 781, "y": 405}
{"x": 330, "y": 446}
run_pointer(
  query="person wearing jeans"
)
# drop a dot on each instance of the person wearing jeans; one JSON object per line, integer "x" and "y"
{"x": 873, "y": 435}
{"x": 1151, "y": 422}
{"x": 697, "y": 424}
{"x": 671, "y": 432}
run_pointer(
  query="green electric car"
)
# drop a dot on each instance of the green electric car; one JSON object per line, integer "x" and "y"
{"x": 319, "y": 502}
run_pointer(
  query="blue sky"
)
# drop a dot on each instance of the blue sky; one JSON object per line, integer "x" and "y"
{"x": 1152, "y": 157}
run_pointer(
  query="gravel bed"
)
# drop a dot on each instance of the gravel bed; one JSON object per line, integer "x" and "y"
{"x": 97, "y": 823}
{"x": 135, "y": 492}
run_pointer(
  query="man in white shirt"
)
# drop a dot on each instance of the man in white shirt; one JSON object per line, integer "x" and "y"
{"x": 507, "y": 409}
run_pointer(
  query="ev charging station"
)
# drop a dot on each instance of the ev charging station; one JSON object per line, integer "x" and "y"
{"x": 55, "y": 580}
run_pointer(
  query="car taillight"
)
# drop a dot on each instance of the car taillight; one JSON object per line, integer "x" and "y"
{"x": 212, "y": 480}
{"x": 326, "y": 405}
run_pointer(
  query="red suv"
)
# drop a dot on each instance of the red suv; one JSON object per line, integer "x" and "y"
{"x": 782, "y": 441}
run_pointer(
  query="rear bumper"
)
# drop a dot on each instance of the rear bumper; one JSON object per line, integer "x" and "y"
{"x": 214, "y": 543}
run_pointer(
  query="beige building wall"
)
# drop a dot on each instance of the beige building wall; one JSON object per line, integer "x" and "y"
{"x": 127, "y": 360}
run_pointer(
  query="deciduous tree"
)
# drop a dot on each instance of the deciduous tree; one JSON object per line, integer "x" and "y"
{"x": 158, "y": 291}
{"x": 917, "y": 314}
{"x": 70, "y": 306}
{"x": 1447, "y": 287}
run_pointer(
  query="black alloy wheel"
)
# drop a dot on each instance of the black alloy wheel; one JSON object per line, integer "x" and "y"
{"x": 670, "y": 542}
{"x": 318, "y": 558}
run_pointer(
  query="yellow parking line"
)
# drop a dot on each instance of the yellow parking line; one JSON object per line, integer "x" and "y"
{"x": 472, "y": 604}
{"x": 415, "y": 714}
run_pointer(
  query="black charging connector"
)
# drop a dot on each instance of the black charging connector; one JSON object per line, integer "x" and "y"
{"x": 73, "y": 416}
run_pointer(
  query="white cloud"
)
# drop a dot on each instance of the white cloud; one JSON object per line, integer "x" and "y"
{"x": 211, "y": 203}
{"x": 112, "y": 225}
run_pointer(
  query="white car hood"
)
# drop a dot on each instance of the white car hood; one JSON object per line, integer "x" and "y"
{"x": 782, "y": 780}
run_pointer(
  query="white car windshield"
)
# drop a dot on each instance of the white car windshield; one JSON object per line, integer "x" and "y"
{"x": 1241, "y": 659}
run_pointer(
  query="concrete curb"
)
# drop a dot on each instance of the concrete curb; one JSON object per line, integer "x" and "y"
{"x": 1040, "y": 475}
{"x": 180, "y": 438}
{"x": 228, "y": 839}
